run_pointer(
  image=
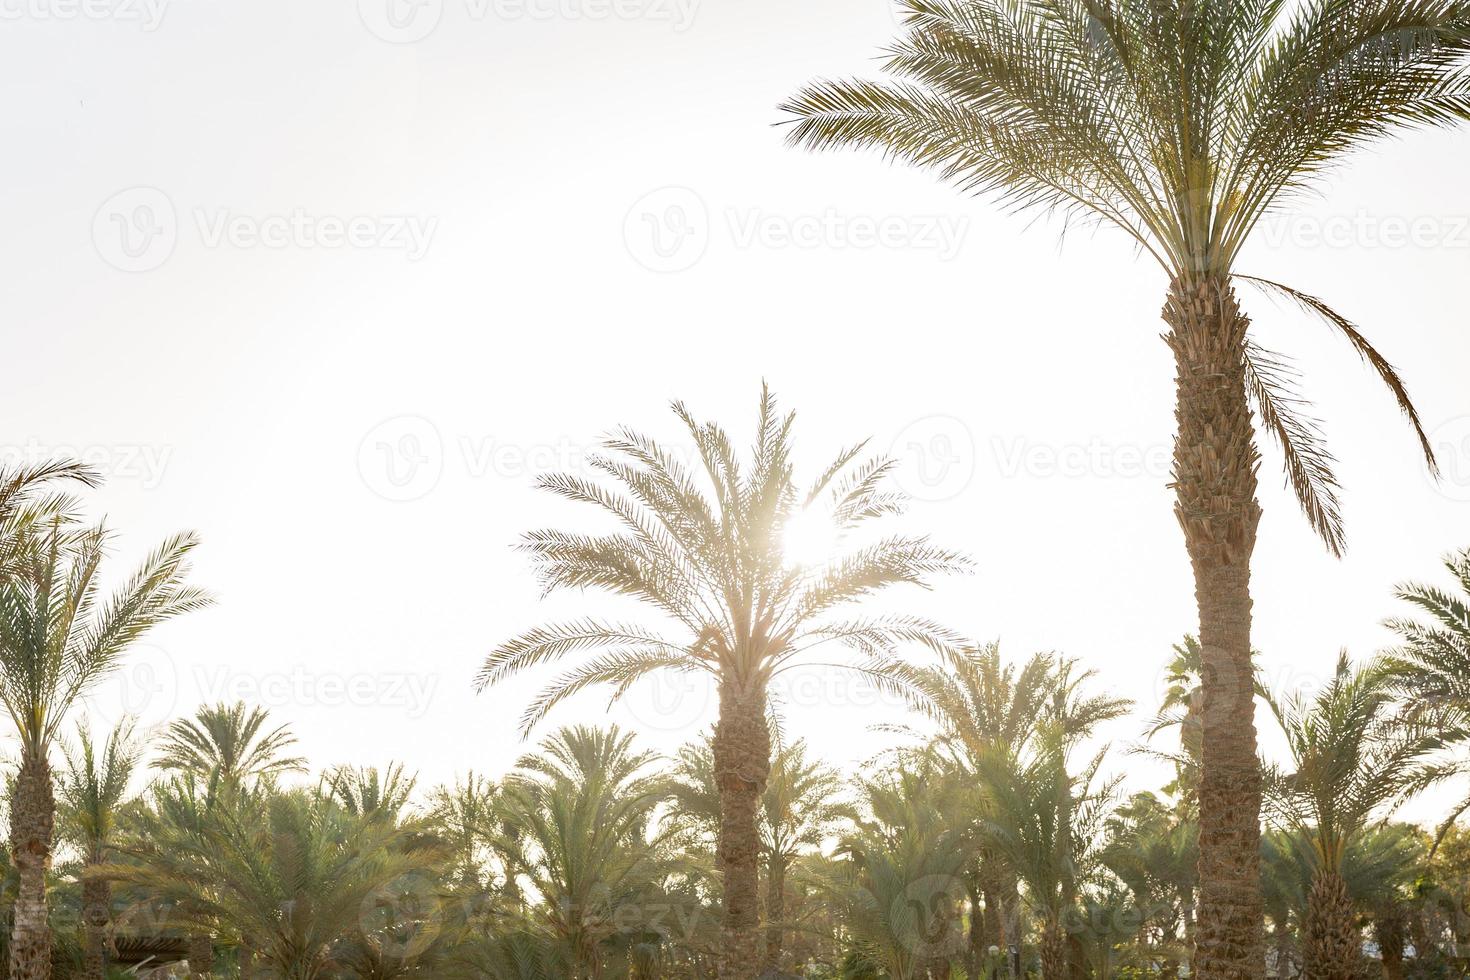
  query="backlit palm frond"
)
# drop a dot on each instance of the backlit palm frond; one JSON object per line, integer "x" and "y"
{"x": 93, "y": 786}
{"x": 1269, "y": 382}
{"x": 1364, "y": 350}
{"x": 228, "y": 742}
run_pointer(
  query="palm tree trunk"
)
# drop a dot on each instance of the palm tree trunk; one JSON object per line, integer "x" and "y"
{"x": 32, "y": 823}
{"x": 1215, "y": 464}
{"x": 1391, "y": 930}
{"x": 1053, "y": 951}
{"x": 1334, "y": 945}
{"x": 742, "y": 751}
{"x": 96, "y": 906}
{"x": 201, "y": 955}
{"x": 775, "y": 911}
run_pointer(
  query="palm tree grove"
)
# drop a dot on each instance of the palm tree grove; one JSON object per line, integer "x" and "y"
{"x": 708, "y": 558}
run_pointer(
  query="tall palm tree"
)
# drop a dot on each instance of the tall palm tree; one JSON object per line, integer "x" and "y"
{"x": 705, "y": 549}
{"x": 228, "y": 742}
{"x": 1354, "y": 760}
{"x": 1182, "y": 123}
{"x": 801, "y": 808}
{"x": 582, "y": 808}
{"x": 58, "y": 636}
{"x": 93, "y": 789}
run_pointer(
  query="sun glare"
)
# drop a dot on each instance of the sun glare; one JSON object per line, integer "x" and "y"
{"x": 809, "y": 539}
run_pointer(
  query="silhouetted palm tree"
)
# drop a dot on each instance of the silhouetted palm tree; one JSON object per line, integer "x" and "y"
{"x": 705, "y": 548}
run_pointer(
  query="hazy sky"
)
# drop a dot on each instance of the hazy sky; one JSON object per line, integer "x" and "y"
{"x": 330, "y": 282}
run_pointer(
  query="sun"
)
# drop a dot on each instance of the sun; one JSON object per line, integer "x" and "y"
{"x": 809, "y": 539}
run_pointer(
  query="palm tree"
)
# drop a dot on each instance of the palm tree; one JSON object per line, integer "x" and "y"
{"x": 801, "y": 808}
{"x": 92, "y": 790}
{"x": 58, "y": 637}
{"x": 1354, "y": 760}
{"x": 1432, "y": 663}
{"x": 985, "y": 705}
{"x": 1154, "y": 852}
{"x": 367, "y": 791}
{"x": 1046, "y": 823}
{"x": 899, "y": 888}
{"x": 228, "y": 742}
{"x": 468, "y": 818}
{"x": 582, "y": 810}
{"x": 1182, "y": 123}
{"x": 705, "y": 549}
{"x": 294, "y": 873}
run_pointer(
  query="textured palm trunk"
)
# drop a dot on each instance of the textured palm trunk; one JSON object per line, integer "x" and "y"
{"x": 201, "y": 955}
{"x": 1053, "y": 951}
{"x": 96, "y": 909}
{"x": 1391, "y": 932}
{"x": 1215, "y": 470}
{"x": 32, "y": 824}
{"x": 775, "y": 911}
{"x": 742, "y": 751}
{"x": 1334, "y": 944}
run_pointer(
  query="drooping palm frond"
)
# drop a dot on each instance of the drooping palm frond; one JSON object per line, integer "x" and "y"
{"x": 27, "y": 501}
{"x": 1365, "y": 350}
{"x": 704, "y": 546}
{"x": 1182, "y": 124}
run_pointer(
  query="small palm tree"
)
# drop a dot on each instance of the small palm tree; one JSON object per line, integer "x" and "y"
{"x": 898, "y": 888}
{"x": 294, "y": 873}
{"x": 1183, "y": 123}
{"x": 467, "y": 816}
{"x": 228, "y": 742}
{"x": 582, "y": 810}
{"x": 93, "y": 789}
{"x": 367, "y": 791}
{"x": 58, "y": 637}
{"x": 1046, "y": 823}
{"x": 1355, "y": 760}
{"x": 705, "y": 549}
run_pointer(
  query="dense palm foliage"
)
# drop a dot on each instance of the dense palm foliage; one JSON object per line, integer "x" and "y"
{"x": 704, "y": 547}
{"x": 1182, "y": 123}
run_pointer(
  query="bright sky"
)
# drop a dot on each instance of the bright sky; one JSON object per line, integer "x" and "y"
{"x": 331, "y": 282}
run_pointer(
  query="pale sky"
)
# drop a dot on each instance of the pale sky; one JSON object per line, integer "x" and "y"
{"x": 330, "y": 282}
